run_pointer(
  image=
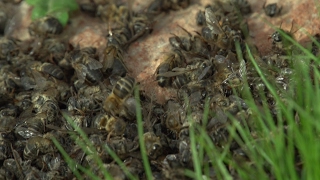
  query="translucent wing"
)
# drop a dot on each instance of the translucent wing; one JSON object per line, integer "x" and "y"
{"x": 212, "y": 21}
{"x": 81, "y": 71}
{"x": 204, "y": 73}
{"x": 93, "y": 64}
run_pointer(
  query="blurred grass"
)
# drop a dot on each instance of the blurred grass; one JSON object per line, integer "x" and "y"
{"x": 57, "y": 8}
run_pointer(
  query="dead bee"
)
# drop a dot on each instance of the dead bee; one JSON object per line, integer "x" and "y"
{"x": 48, "y": 162}
{"x": 36, "y": 145}
{"x": 200, "y": 18}
{"x": 84, "y": 64}
{"x": 272, "y": 9}
{"x": 218, "y": 32}
{"x": 4, "y": 149}
{"x": 281, "y": 44}
{"x": 175, "y": 119}
{"x": 194, "y": 45}
{"x": 47, "y": 25}
{"x": 139, "y": 25}
{"x": 97, "y": 92}
{"x": 114, "y": 126}
{"x": 120, "y": 92}
{"x": 8, "y": 119}
{"x": 242, "y": 5}
{"x": 82, "y": 105}
{"x": 112, "y": 60}
{"x": 52, "y": 69}
{"x": 79, "y": 120}
{"x": 113, "y": 13}
{"x": 55, "y": 48}
{"x": 158, "y": 6}
{"x": 89, "y": 7}
{"x": 198, "y": 70}
{"x": 123, "y": 147}
{"x": 8, "y": 45}
{"x": 9, "y": 48}
{"x": 171, "y": 60}
{"x": 134, "y": 166}
{"x": 153, "y": 145}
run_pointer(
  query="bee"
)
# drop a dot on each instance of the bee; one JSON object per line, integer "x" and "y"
{"x": 84, "y": 64}
{"x": 281, "y": 44}
{"x": 51, "y": 109}
{"x": 51, "y": 69}
{"x": 175, "y": 119}
{"x": 272, "y": 9}
{"x": 36, "y": 145}
{"x": 89, "y": 7}
{"x": 82, "y": 105}
{"x": 243, "y": 6}
{"x": 113, "y": 125}
{"x": 16, "y": 166}
{"x": 185, "y": 155}
{"x": 79, "y": 120}
{"x": 134, "y": 166}
{"x": 55, "y": 48}
{"x": 8, "y": 118}
{"x": 158, "y": 6}
{"x": 113, "y": 13}
{"x": 171, "y": 60}
{"x": 4, "y": 174}
{"x": 4, "y": 149}
{"x": 9, "y": 48}
{"x": 120, "y": 92}
{"x": 112, "y": 60}
{"x": 48, "y": 162}
{"x": 8, "y": 45}
{"x": 153, "y": 145}
{"x": 219, "y": 35}
{"x": 47, "y": 25}
{"x": 139, "y": 25}
{"x": 123, "y": 147}
{"x": 194, "y": 45}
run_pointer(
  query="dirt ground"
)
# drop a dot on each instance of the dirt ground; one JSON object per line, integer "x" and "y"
{"x": 144, "y": 55}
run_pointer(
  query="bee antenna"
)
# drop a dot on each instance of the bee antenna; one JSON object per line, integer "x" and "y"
{"x": 292, "y": 24}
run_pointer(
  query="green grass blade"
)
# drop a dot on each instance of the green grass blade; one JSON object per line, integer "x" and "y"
{"x": 143, "y": 150}
{"x": 87, "y": 143}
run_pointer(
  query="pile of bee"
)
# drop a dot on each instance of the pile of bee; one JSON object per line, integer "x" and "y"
{"x": 46, "y": 78}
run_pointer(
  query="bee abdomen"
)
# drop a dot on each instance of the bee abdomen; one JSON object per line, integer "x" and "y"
{"x": 124, "y": 87}
{"x": 30, "y": 152}
{"x": 53, "y": 26}
{"x": 163, "y": 68}
{"x": 53, "y": 70}
{"x": 179, "y": 81}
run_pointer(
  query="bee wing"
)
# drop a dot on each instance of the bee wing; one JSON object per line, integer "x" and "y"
{"x": 242, "y": 69}
{"x": 40, "y": 81}
{"x": 109, "y": 56}
{"x": 171, "y": 73}
{"x": 212, "y": 21}
{"x": 81, "y": 71}
{"x": 177, "y": 69}
{"x": 204, "y": 73}
{"x": 93, "y": 64}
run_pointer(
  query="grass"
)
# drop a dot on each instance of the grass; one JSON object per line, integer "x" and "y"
{"x": 285, "y": 148}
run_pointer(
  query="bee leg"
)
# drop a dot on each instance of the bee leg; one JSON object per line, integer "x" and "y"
{"x": 109, "y": 136}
